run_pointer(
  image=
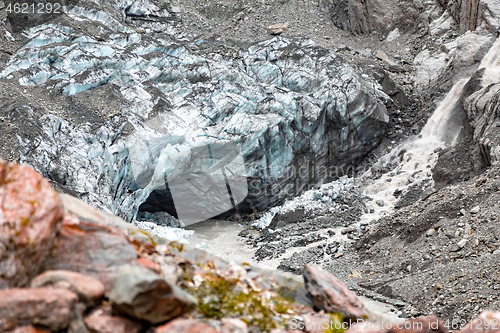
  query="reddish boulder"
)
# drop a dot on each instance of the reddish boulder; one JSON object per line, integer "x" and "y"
{"x": 91, "y": 249}
{"x": 142, "y": 294}
{"x": 89, "y": 290}
{"x": 30, "y": 216}
{"x": 46, "y": 307}
{"x": 101, "y": 320}
{"x": 332, "y": 295}
{"x": 186, "y": 326}
{"x": 487, "y": 322}
{"x": 233, "y": 325}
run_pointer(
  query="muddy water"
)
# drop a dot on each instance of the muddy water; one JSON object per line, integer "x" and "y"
{"x": 221, "y": 238}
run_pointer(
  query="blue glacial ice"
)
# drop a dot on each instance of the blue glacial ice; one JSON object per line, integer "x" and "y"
{"x": 298, "y": 114}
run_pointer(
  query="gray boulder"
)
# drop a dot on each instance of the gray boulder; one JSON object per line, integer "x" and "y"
{"x": 142, "y": 294}
{"x": 331, "y": 295}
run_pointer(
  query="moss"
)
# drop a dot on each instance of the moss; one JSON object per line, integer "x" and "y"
{"x": 25, "y": 221}
{"x": 220, "y": 297}
{"x": 176, "y": 245}
{"x": 335, "y": 318}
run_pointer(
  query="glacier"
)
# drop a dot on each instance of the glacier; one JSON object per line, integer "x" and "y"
{"x": 298, "y": 115}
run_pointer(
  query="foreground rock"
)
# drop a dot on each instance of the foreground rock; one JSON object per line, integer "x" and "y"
{"x": 332, "y": 295}
{"x": 50, "y": 308}
{"x": 30, "y": 216}
{"x": 229, "y": 297}
{"x": 89, "y": 290}
{"x": 144, "y": 295}
{"x": 186, "y": 326}
{"x": 91, "y": 249}
{"x": 101, "y": 320}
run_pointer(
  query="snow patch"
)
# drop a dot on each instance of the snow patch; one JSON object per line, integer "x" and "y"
{"x": 168, "y": 233}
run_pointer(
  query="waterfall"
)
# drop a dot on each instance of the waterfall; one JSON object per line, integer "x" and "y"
{"x": 491, "y": 64}
{"x": 411, "y": 162}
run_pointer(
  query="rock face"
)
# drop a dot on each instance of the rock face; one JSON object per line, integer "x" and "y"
{"x": 480, "y": 146}
{"x": 47, "y": 307}
{"x": 285, "y": 104}
{"x": 30, "y": 216}
{"x": 460, "y": 56}
{"x": 482, "y": 110}
{"x": 142, "y": 294}
{"x": 332, "y": 295}
{"x": 380, "y": 15}
{"x": 384, "y": 15}
{"x": 471, "y": 14}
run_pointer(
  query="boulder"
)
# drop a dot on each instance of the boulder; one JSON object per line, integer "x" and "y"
{"x": 91, "y": 249}
{"x": 27, "y": 329}
{"x": 89, "y": 290}
{"x": 46, "y": 307}
{"x": 388, "y": 63}
{"x": 30, "y": 216}
{"x": 84, "y": 211}
{"x": 233, "y": 325}
{"x": 277, "y": 29}
{"x": 142, "y": 294}
{"x": 186, "y": 326}
{"x": 317, "y": 323}
{"x": 101, "y": 320}
{"x": 331, "y": 295}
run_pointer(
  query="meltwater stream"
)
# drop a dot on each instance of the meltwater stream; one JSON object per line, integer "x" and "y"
{"x": 411, "y": 162}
